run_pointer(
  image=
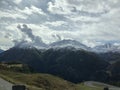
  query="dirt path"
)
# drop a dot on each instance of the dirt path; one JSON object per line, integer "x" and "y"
{"x": 98, "y": 84}
{"x": 4, "y": 85}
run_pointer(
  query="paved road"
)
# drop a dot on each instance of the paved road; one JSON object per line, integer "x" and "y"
{"x": 96, "y": 84}
{"x": 4, "y": 85}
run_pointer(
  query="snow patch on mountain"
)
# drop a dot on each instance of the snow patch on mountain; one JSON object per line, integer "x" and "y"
{"x": 68, "y": 43}
{"x": 71, "y": 44}
{"x": 108, "y": 47}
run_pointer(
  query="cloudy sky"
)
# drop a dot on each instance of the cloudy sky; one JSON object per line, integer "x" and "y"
{"x": 91, "y": 22}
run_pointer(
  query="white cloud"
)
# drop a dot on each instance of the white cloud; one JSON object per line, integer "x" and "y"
{"x": 67, "y": 6}
{"x": 12, "y": 14}
{"x": 56, "y": 23}
{"x": 30, "y": 10}
{"x": 58, "y": 7}
{"x": 89, "y": 21}
{"x": 83, "y": 18}
{"x": 17, "y": 1}
{"x": 21, "y": 13}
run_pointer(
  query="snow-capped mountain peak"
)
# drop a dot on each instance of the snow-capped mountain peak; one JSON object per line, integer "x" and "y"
{"x": 68, "y": 43}
{"x": 108, "y": 47}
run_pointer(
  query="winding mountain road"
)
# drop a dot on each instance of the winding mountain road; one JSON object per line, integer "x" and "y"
{"x": 4, "y": 85}
{"x": 98, "y": 84}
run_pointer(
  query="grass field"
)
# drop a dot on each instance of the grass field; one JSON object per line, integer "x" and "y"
{"x": 42, "y": 81}
{"x": 38, "y": 81}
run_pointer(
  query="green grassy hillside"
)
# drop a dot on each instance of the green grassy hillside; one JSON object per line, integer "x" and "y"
{"x": 40, "y": 81}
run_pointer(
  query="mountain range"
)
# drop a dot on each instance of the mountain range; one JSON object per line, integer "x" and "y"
{"x": 72, "y": 65}
{"x": 69, "y": 60}
{"x": 1, "y": 50}
{"x": 108, "y": 47}
{"x": 68, "y": 43}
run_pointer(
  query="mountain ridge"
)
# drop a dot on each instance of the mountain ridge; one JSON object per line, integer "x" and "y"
{"x": 1, "y": 50}
{"x": 58, "y": 62}
{"x": 71, "y": 44}
{"x": 75, "y": 65}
